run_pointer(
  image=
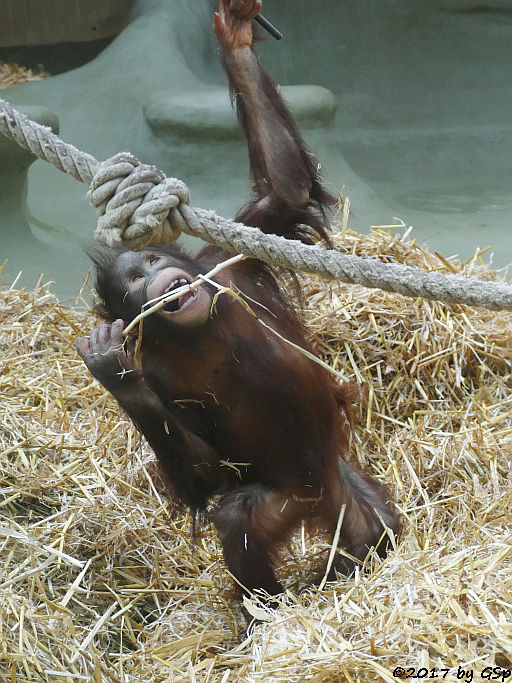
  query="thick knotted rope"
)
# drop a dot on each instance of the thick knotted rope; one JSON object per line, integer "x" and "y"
{"x": 138, "y": 205}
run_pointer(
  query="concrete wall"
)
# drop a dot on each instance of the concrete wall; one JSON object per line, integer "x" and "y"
{"x": 45, "y": 22}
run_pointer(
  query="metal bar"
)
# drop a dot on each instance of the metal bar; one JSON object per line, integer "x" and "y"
{"x": 274, "y": 32}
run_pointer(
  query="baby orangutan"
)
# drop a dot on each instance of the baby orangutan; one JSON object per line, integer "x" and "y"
{"x": 215, "y": 386}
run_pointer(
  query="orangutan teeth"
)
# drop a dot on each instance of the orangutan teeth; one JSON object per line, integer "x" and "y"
{"x": 175, "y": 284}
{"x": 173, "y": 306}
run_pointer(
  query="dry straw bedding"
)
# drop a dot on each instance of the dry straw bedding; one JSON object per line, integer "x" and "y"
{"x": 13, "y": 74}
{"x": 99, "y": 576}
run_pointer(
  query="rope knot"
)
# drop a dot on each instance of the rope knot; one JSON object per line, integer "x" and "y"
{"x": 138, "y": 205}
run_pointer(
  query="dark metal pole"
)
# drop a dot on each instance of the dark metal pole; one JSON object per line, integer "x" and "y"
{"x": 268, "y": 27}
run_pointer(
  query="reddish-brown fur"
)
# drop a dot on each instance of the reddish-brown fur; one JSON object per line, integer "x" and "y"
{"x": 229, "y": 409}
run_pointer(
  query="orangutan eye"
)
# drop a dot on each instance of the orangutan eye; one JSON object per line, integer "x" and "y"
{"x": 137, "y": 277}
{"x": 154, "y": 260}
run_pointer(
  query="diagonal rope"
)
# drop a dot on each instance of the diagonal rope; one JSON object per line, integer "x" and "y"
{"x": 139, "y": 205}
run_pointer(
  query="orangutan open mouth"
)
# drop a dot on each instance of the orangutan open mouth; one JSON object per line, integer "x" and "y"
{"x": 183, "y": 300}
